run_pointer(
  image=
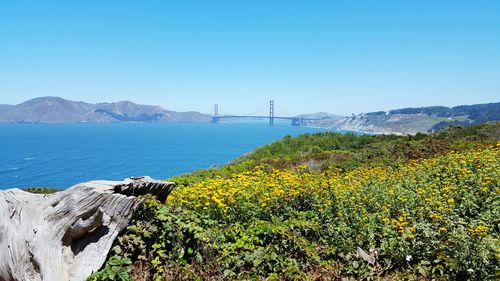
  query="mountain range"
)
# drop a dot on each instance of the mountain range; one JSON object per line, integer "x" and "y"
{"x": 398, "y": 121}
{"x": 59, "y": 110}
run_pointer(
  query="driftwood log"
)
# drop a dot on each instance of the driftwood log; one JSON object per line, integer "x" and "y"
{"x": 67, "y": 235}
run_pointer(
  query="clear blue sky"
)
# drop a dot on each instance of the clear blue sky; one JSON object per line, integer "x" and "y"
{"x": 336, "y": 56}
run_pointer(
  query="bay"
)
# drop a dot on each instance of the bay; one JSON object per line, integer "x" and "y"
{"x": 61, "y": 155}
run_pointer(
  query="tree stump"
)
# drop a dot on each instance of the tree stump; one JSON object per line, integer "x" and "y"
{"x": 67, "y": 235}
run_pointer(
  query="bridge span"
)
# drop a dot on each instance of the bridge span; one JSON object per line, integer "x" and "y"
{"x": 295, "y": 121}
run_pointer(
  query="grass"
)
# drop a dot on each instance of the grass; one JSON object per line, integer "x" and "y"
{"x": 41, "y": 190}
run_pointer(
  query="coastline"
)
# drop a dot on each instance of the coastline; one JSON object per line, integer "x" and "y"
{"x": 366, "y": 131}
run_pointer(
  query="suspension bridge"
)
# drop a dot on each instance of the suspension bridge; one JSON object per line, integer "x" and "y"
{"x": 295, "y": 121}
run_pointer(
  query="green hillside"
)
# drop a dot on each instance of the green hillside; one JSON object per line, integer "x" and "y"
{"x": 328, "y": 206}
{"x": 414, "y": 120}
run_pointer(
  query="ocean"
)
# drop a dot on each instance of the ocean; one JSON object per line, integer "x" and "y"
{"x": 61, "y": 155}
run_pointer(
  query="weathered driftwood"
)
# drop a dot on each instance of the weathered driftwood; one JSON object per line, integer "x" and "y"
{"x": 67, "y": 235}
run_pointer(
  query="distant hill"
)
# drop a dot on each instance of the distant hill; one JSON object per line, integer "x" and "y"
{"x": 320, "y": 115}
{"x": 414, "y": 120}
{"x": 59, "y": 110}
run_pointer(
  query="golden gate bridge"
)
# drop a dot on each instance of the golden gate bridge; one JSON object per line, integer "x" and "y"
{"x": 295, "y": 121}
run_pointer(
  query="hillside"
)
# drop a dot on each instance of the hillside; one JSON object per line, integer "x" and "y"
{"x": 414, "y": 120}
{"x": 58, "y": 110}
{"x": 328, "y": 206}
{"x": 320, "y": 115}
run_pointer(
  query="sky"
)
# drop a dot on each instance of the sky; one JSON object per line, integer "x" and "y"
{"x": 309, "y": 56}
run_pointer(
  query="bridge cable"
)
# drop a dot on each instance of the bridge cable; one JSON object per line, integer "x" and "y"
{"x": 281, "y": 111}
{"x": 259, "y": 111}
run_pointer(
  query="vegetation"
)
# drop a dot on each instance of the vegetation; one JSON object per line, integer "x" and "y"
{"x": 465, "y": 115}
{"x": 41, "y": 190}
{"x": 328, "y": 206}
{"x": 478, "y": 113}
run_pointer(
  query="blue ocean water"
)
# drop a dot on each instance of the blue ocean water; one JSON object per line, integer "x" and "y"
{"x": 61, "y": 155}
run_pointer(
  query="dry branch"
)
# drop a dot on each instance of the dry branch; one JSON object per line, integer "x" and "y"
{"x": 67, "y": 235}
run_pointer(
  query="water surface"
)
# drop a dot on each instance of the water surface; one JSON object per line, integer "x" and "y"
{"x": 61, "y": 155}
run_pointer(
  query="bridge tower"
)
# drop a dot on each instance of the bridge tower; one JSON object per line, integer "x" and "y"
{"x": 271, "y": 112}
{"x": 215, "y": 117}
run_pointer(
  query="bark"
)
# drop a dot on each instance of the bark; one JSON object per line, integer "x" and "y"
{"x": 67, "y": 235}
